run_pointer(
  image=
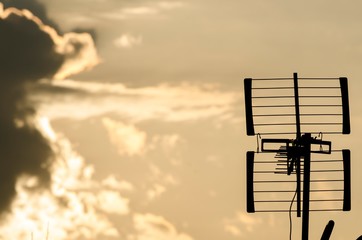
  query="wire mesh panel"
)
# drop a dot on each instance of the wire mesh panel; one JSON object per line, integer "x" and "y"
{"x": 271, "y": 189}
{"x": 271, "y": 105}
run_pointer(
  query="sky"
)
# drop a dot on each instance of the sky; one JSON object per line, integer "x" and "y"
{"x": 125, "y": 119}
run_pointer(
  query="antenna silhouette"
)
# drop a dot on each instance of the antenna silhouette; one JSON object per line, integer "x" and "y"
{"x": 305, "y": 166}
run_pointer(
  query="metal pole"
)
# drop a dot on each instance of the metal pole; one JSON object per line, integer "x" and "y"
{"x": 298, "y": 135}
{"x": 306, "y": 142}
{"x": 298, "y": 186}
{"x": 296, "y": 99}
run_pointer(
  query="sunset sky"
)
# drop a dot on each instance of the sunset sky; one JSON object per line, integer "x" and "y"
{"x": 125, "y": 119}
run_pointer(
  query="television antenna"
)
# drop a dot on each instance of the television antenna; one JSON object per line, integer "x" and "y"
{"x": 308, "y": 109}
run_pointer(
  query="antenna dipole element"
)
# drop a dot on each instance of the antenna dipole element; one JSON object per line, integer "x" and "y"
{"x": 296, "y": 99}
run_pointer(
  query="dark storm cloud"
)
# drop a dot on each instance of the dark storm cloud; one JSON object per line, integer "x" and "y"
{"x": 29, "y": 51}
{"x": 39, "y": 10}
{"x": 26, "y": 55}
{"x": 33, "y": 6}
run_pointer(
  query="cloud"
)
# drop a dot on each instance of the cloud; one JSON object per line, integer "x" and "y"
{"x": 139, "y": 11}
{"x": 80, "y": 52}
{"x": 184, "y": 102}
{"x": 112, "y": 182}
{"x": 155, "y": 191}
{"x": 75, "y": 206}
{"x": 241, "y": 224}
{"x": 33, "y": 6}
{"x": 232, "y": 229}
{"x": 145, "y": 10}
{"x": 113, "y": 203}
{"x": 127, "y": 41}
{"x": 127, "y": 138}
{"x": 149, "y": 226}
{"x": 30, "y": 51}
{"x": 127, "y": 13}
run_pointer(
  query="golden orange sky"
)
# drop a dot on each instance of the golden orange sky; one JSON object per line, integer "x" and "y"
{"x": 138, "y": 111}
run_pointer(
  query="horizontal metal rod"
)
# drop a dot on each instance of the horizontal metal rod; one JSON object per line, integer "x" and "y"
{"x": 317, "y": 87}
{"x": 293, "y": 124}
{"x": 286, "y": 181}
{"x": 327, "y": 160}
{"x": 333, "y": 150}
{"x": 290, "y": 133}
{"x": 323, "y": 78}
{"x": 307, "y": 87}
{"x": 266, "y": 79}
{"x": 320, "y": 105}
{"x": 272, "y": 106}
{"x": 319, "y": 96}
{"x": 321, "y": 114}
{"x": 327, "y": 170}
{"x": 280, "y": 168}
{"x": 273, "y": 97}
{"x": 276, "y": 172}
{"x": 311, "y": 210}
{"x": 274, "y": 124}
{"x": 275, "y": 88}
{"x": 273, "y": 115}
{"x": 320, "y": 123}
{"x": 313, "y": 200}
{"x": 292, "y": 114}
{"x": 302, "y": 105}
{"x": 292, "y": 191}
{"x": 273, "y": 161}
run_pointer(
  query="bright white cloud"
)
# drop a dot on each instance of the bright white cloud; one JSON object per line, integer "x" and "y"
{"x": 241, "y": 224}
{"x": 127, "y": 41}
{"x": 146, "y": 10}
{"x": 167, "y": 103}
{"x": 139, "y": 11}
{"x": 112, "y": 202}
{"x": 249, "y": 221}
{"x": 80, "y": 51}
{"x": 152, "y": 227}
{"x": 126, "y": 13}
{"x": 232, "y": 229}
{"x": 112, "y": 182}
{"x": 155, "y": 191}
{"x": 75, "y": 207}
{"x": 126, "y": 138}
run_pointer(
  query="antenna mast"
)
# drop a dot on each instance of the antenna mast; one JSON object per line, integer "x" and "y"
{"x": 294, "y": 156}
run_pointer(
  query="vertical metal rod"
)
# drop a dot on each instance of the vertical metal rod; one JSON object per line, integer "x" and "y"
{"x": 306, "y": 142}
{"x": 298, "y": 135}
{"x": 298, "y": 186}
{"x": 296, "y": 99}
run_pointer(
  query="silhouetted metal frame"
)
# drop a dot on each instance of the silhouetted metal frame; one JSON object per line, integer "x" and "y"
{"x": 248, "y": 107}
{"x": 298, "y": 135}
{"x": 306, "y": 139}
{"x": 248, "y": 94}
{"x": 346, "y": 154}
{"x": 250, "y": 205}
{"x": 302, "y": 142}
{"x": 345, "y": 105}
